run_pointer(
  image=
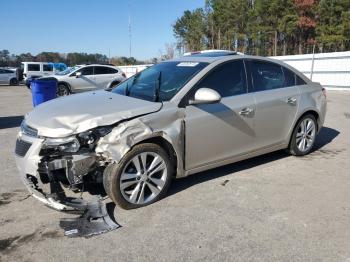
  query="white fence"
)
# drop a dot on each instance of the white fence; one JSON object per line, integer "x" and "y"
{"x": 133, "y": 69}
{"x": 332, "y": 70}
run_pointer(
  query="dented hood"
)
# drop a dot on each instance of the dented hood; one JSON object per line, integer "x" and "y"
{"x": 77, "y": 113}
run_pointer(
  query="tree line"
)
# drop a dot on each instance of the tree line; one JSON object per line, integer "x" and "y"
{"x": 70, "y": 59}
{"x": 266, "y": 27}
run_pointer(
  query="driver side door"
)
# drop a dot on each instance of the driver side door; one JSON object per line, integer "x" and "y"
{"x": 220, "y": 131}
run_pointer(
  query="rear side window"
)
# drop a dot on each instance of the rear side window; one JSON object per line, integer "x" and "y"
{"x": 289, "y": 77}
{"x": 266, "y": 76}
{"x": 2, "y": 71}
{"x": 33, "y": 67}
{"x": 101, "y": 70}
{"x": 48, "y": 67}
{"x": 299, "y": 81}
{"x": 112, "y": 70}
{"x": 227, "y": 79}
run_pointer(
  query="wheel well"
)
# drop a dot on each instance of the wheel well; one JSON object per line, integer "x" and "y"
{"x": 163, "y": 143}
{"x": 114, "y": 83}
{"x": 65, "y": 84}
{"x": 314, "y": 113}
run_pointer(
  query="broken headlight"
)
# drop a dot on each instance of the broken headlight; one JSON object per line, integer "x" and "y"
{"x": 73, "y": 144}
{"x": 89, "y": 138}
{"x": 68, "y": 144}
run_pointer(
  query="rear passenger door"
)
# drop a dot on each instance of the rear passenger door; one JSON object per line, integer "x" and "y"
{"x": 277, "y": 99}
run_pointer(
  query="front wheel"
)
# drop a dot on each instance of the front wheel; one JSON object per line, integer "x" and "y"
{"x": 141, "y": 178}
{"x": 304, "y": 136}
{"x": 62, "y": 90}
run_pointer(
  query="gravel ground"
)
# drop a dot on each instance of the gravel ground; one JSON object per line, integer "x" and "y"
{"x": 273, "y": 207}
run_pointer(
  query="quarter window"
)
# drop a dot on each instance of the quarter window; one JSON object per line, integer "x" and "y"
{"x": 266, "y": 76}
{"x": 227, "y": 79}
{"x": 33, "y": 67}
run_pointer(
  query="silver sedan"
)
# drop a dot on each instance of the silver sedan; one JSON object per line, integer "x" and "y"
{"x": 173, "y": 119}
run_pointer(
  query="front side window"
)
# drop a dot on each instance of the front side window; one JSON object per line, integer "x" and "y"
{"x": 33, "y": 67}
{"x": 266, "y": 76}
{"x": 86, "y": 71}
{"x": 160, "y": 82}
{"x": 48, "y": 67}
{"x": 228, "y": 79}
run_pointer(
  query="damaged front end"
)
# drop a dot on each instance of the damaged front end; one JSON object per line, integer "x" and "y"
{"x": 48, "y": 166}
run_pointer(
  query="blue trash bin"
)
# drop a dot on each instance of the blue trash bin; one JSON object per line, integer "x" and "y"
{"x": 43, "y": 90}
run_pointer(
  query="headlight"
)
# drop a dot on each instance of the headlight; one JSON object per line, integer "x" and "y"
{"x": 89, "y": 138}
{"x": 73, "y": 144}
{"x": 68, "y": 144}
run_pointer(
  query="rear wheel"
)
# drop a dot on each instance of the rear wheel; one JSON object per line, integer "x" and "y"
{"x": 62, "y": 90}
{"x": 304, "y": 136}
{"x": 141, "y": 178}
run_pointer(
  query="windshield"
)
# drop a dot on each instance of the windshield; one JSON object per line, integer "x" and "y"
{"x": 67, "y": 71}
{"x": 159, "y": 82}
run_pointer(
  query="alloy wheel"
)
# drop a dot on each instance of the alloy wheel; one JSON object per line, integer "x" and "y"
{"x": 305, "y": 135}
{"x": 143, "y": 178}
{"x": 62, "y": 91}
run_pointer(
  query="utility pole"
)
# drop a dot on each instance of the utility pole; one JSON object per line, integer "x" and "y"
{"x": 129, "y": 30}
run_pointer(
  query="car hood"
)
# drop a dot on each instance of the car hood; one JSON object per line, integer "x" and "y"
{"x": 74, "y": 114}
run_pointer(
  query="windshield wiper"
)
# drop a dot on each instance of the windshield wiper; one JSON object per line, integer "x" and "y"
{"x": 157, "y": 87}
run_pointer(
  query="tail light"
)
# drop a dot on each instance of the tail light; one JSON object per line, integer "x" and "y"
{"x": 124, "y": 75}
{"x": 324, "y": 91}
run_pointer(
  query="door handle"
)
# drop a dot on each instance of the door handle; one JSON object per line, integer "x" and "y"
{"x": 246, "y": 111}
{"x": 291, "y": 101}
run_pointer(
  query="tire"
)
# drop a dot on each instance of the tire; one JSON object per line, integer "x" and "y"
{"x": 128, "y": 187}
{"x": 296, "y": 147}
{"x": 14, "y": 82}
{"x": 62, "y": 90}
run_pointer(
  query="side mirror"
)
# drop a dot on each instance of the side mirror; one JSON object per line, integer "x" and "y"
{"x": 78, "y": 74}
{"x": 205, "y": 96}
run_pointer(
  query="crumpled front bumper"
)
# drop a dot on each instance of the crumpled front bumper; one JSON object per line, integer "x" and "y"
{"x": 51, "y": 194}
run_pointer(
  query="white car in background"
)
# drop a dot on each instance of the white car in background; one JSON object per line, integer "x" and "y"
{"x": 8, "y": 76}
{"x": 84, "y": 78}
{"x": 33, "y": 70}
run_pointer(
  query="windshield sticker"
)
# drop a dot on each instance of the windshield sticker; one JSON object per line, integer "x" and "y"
{"x": 189, "y": 64}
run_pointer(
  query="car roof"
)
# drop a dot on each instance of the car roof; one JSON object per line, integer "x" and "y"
{"x": 212, "y": 59}
{"x": 81, "y": 65}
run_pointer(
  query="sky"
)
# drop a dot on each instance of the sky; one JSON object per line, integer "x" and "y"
{"x": 91, "y": 26}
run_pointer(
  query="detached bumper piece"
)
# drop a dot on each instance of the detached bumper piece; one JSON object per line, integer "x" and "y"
{"x": 94, "y": 221}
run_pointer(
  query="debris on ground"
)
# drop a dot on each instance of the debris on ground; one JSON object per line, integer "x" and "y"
{"x": 95, "y": 220}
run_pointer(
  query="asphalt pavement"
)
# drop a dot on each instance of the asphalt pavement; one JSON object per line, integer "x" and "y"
{"x": 274, "y": 207}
